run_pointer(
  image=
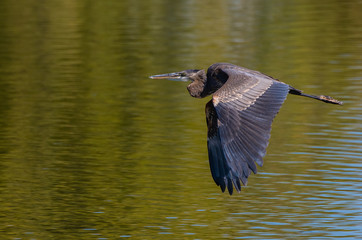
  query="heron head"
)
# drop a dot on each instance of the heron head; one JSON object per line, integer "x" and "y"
{"x": 184, "y": 76}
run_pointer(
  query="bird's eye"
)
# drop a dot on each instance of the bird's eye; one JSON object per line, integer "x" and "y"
{"x": 182, "y": 74}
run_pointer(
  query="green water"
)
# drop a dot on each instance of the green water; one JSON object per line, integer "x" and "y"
{"x": 91, "y": 148}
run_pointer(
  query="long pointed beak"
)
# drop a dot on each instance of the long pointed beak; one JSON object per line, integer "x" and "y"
{"x": 176, "y": 76}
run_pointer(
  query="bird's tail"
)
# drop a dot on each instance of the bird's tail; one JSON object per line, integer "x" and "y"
{"x": 323, "y": 98}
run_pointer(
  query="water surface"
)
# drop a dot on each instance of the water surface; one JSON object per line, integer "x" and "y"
{"x": 91, "y": 148}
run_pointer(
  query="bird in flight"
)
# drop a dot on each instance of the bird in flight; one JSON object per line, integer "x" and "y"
{"x": 239, "y": 116}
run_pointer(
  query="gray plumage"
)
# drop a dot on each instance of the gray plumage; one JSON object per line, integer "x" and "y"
{"x": 239, "y": 117}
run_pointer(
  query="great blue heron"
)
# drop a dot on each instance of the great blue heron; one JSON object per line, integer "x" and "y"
{"x": 239, "y": 116}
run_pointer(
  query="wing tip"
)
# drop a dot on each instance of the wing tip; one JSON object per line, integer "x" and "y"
{"x": 230, "y": 183}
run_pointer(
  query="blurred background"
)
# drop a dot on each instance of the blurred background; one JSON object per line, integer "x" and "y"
{"x": 91, "y": 148}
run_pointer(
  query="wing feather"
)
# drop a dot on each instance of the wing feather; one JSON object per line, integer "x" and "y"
{"x": 239, "y": 119}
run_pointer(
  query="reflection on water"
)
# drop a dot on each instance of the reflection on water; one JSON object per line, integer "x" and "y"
{"x": 90, "y": 148}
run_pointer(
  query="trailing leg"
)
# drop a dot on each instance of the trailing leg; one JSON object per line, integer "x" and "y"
{"x": 323, "y": 98}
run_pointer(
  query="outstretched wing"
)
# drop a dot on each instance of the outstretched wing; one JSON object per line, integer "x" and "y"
{"x": 239, "y": 119}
